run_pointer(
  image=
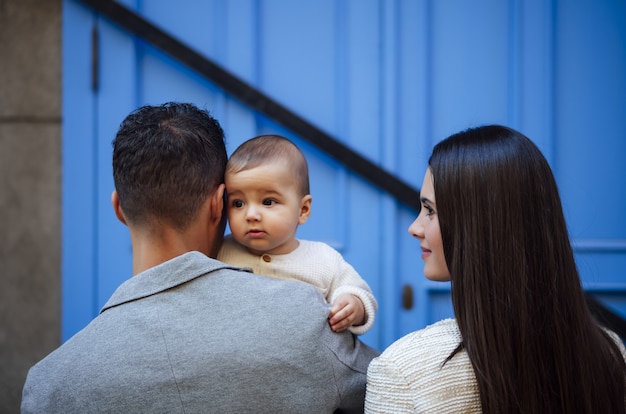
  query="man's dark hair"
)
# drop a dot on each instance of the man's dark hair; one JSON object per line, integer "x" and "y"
{"x": 167, "y": 159}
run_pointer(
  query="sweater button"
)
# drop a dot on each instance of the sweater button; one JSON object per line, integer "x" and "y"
{"x": 267, "y": 258}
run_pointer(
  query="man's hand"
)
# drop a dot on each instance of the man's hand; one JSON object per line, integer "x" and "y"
{"x": 347, "y": 310}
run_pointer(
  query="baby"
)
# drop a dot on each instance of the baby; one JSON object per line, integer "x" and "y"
{"x": 267, "y": 186}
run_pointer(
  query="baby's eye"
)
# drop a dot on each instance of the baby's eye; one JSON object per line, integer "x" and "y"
{"x": 237, "y": 203}
{"x": 269, "y": 202}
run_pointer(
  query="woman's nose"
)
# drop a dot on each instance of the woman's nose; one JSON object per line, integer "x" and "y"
{"x": 416, "y": 229}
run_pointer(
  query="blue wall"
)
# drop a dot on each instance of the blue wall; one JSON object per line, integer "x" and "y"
{"x": 387, "y": 78}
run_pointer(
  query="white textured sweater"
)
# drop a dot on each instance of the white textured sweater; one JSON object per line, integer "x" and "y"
{"x": 408, "y": 377}
{"x": 311, "y": 262}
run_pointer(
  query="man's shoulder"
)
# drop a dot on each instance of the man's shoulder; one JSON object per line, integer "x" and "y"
{"x": 61, "y": 376}
{"x": 289, "y": 291}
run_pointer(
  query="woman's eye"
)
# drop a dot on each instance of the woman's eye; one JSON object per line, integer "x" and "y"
{"x": 429, "y": 210}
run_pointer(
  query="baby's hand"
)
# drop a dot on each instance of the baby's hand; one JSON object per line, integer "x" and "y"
{"x": 347, "y": 310}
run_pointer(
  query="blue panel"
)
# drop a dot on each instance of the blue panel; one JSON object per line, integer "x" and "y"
{"x": 415, "y": 129}
{"x": 590, "y": 151}
{"x": 536, "y": 74}
{"x": 359, "y": 77}
{"x": 116, "y": 98}
{"x": 175, "y": 82}
{"x": 591, "y": 96}
{"x": 389, "y": 92}
{"x": 469, "y": 65}
{"x": 414, "y": 109}
{"x": 241, "y": 55}
{"x": 297, "y": 38}
{"x": 440, "y": 305}
{"x": 79, "y": 172}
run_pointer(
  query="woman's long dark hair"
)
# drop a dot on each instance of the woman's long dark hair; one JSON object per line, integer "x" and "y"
{"x": 516, "y": 292}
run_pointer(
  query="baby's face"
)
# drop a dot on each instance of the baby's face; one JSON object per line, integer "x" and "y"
{"x": 265, "y": 207}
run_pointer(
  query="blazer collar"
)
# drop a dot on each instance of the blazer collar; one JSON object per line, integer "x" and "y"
{"x": 172, "y": 273}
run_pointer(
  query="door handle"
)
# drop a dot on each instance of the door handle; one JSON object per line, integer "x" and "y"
{"x": 407, "y": 297}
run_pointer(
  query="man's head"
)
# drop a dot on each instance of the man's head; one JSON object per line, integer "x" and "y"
{"x": 167, "y": 160}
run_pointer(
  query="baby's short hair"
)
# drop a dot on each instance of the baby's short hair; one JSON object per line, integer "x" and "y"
{"x": 270, "y": 148}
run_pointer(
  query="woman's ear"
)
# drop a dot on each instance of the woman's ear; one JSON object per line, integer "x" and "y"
{"x": 305, "y": 208}
{"x": 117, "y": 208}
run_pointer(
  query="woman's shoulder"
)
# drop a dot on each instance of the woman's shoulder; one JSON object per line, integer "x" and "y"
{"x": 425, "y": 350}
{"x": 439, "y": 338}
{"x": 418, "y": 363}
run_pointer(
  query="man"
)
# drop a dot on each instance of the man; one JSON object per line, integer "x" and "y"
{"x": 188, "y": 333}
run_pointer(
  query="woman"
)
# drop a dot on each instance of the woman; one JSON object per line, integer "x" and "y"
{"x": 523, "y": 339}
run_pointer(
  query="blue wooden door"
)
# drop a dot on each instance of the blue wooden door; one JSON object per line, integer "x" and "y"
{"x": 388, "y": 78}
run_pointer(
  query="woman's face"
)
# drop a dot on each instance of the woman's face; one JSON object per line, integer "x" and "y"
{"x": 425, "y": 228}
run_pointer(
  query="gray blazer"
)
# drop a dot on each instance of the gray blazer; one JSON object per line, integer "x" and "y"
{"x": 194, "y": 335}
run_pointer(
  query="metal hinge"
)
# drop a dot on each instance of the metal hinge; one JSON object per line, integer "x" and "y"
{"x": 95, "y": 54}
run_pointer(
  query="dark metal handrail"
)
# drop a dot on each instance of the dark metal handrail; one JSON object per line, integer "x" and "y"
{"x": 255, "y": 99}
{"x": 252, "y": 97}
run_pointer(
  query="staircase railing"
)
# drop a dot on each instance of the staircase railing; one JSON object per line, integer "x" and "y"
{"x": 238, "y": 89}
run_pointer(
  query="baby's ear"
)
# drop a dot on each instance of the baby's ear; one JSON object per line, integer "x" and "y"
{"x": 305, "y": 208}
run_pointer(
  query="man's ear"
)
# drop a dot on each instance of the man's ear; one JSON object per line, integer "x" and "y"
{"x": 217, "y": 205}
{"x": 117, "y": 208}
{"x": 305, "y": 208}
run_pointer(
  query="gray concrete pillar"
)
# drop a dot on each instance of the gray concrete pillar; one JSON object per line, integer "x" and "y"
{"x": 30, "y": 189}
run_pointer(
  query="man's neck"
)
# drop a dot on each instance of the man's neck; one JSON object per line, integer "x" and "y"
{"x": 150, "y": 249}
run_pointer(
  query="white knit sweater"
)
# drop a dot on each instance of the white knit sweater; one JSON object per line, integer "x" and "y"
{"x": 311, "y": 262}
{"x": 408, "y": 377}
